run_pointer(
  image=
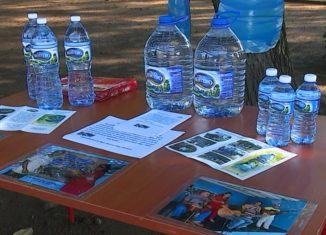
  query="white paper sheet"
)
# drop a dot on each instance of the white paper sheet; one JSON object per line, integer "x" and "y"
{"x": 103, "y": 135}
{"x": 31, "y": 119}
{"x": 231, "y": 153}
{"x": 153, "y": 123}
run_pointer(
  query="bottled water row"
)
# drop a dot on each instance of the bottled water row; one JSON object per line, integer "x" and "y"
{"x": 213, "y": 80}
{"x": 279, "y": 103}
{"x": 41, "y": 55}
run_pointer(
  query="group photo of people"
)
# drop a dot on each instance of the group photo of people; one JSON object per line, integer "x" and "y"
{"x": 232, "y": 209}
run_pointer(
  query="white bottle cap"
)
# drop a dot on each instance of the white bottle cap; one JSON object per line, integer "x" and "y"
{"x": 272, "y": 72}
{"x": 75, "y": 18}
{"x": 32, "y": 16}
{"x": 285, "y": 79}
{"x": 41, "y": 21}
{"x": 310, "y": 77}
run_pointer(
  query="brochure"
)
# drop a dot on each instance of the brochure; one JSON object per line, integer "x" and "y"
{"x": 63, "y": 169}
{"x": 106, "y": 87}
{"x": 233, "y": 209}
{"x": 103, "y": 135}
{"x": 31, "y": 119}
{"x": 152, "y": 123}
{"x": 231, "y": 153}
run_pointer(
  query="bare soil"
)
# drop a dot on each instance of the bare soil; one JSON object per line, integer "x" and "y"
{"x": 119, "y": 29}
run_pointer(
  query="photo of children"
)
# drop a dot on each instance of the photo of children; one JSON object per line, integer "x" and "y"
{"x": 64, "y": 169}
{"x": 233, "y": 209}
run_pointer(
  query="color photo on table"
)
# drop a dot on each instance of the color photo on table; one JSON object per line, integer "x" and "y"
{"x": 63, "y": 169}
{"x": 233, "y": 209}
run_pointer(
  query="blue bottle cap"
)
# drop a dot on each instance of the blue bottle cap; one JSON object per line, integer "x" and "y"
{"x": 220, "y": 22}
{"x": 166, "y": 20}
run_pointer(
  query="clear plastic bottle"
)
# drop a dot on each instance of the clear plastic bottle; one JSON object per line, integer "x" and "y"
{"x": 280, "y": 113}
{"x": 181, "y": 8}
{"x": 168, "y": 67}
{"x": 306, "y": 109}
{"x": 78, "y": 54}
{"x": 27, "y": 34}
{"x": 264, "y": 92}
{"x": 45, "y": 59}
{"x": 219, "y": 74}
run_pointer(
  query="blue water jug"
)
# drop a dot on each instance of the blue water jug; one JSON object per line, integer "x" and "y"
{"x": 181, "y": 8}
{"x": 259, "y": 23}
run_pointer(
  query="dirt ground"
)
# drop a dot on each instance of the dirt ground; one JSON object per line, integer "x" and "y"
{"x": 119, "y": 29}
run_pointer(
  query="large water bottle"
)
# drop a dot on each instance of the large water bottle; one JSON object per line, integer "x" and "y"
{"x": 78, "y": 54}
{"x": 28, "y": 32}
{"x": 220, "y": 66}
{"x": 305, "y": 111}
{"x": 168, "y": 67}
{"x": 259, "y": 23}
{"x": 280, "y": 113}
{"x": 264, "y": 92}
{"x": 181, "y": 8}
{"x": 45, "y": 59}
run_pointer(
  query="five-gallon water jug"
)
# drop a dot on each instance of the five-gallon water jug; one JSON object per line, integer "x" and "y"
{"x": 280, "y": 113}
{"x": 27, "y": 35}
{"x": 78, "y": 55}
{"x": 220, "y": 66}
{"x": 45, "y": 59}
{"x": 181, "y": 8}
{"x": 264, "y": 92}
{"x": 259, "y": 23}
{"x": 168, "y": 61}
{"x": 306, "y": 109}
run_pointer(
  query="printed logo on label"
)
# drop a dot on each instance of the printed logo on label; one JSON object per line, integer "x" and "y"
{"x": 164, "y": 80}
{"x": 306, "y": 106}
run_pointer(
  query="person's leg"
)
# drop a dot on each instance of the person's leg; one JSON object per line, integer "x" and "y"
{"x": 179, "y": 211}
{"x": 236, "y": 222}
{"x": 261, "y": 221}
{"x": 268, "y": 221}
{"x": 201, "y": 216}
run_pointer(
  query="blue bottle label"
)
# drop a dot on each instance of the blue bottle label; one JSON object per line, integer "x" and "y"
{"x": 78, "y": 54}
{"x": 212, "y": 84}
{"x": 164, "y": 80}
{"x": 284, "y": 107}
{"x": 45, "y": 56}
{"x": 306, "y": 106}
{"x": 27, "y": 50}
{"x": 263, "y": 97}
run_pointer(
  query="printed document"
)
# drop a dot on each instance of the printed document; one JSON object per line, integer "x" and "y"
{"x": 31, "y": 119}
{"x": 104, "y": 135}
{"x": 152, "y": 123}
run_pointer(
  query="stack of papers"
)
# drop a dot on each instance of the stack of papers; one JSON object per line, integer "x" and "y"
{"x": 137, "y": 137}
{"x": 31, "y": 119}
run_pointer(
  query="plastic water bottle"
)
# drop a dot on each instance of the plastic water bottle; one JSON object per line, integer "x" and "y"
{"x": 280, "y": 113}
{"x": 264, "y": 92}
{"x": 78, "y": 60}
{"x": 259, "y": 23}
{"x": 45, "y": 59}
{"x": 28, "y": 32}
{"x": 306, "y": 109}
{"x": 168, "y": 67}
{"x": 181, "y": 8}
{"x": 220, "y": 66}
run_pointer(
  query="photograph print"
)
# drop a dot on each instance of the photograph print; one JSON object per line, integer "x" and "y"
{"x": 233, "y": 209}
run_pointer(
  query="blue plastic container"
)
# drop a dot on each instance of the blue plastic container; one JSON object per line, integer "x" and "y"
{"x": 259, "y": 23}
{"x": 181, "y": 8}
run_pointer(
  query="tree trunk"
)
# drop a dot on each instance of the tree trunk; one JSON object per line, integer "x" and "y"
{"x": 277, "y": 57}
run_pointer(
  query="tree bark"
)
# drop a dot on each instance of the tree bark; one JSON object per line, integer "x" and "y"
{"x": 277, "y": 57}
